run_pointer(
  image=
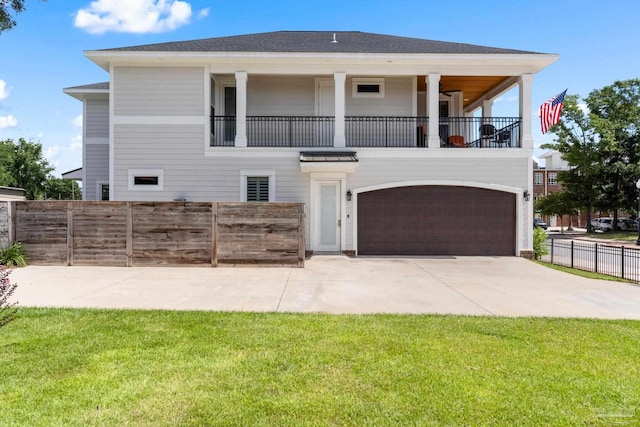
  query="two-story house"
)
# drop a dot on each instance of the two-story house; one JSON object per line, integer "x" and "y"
{"x": 389, "y": 141}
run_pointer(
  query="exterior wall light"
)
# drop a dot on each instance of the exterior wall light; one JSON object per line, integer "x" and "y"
{"x": 349, "y": 194}
{"x": 526, "y": 195}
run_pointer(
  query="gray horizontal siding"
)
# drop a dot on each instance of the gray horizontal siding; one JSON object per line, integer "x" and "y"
{"x": 96, "y": 169}
{"x": 278, "y": 96}
{"x": 397, "y": 101}
{"x": 158, "y": 91}
{"x": 97, "y": 120}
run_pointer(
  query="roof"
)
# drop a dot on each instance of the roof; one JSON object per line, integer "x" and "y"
{"x": 328, "y": 156}
{"x": 319, "y": 42}
{"x": 93, "y": 86}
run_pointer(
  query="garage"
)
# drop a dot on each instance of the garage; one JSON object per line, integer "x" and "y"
{"x": 436, "y": 220}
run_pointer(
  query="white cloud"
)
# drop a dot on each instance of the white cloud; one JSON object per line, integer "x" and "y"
{"x": 203, "y": 13}
{"x": 4, "y": 89}
{"x": 133, "y": 16}
{"x": 8, "y": 122}
{"x": 584, "y": 108}
{"x": 52, "y": 151}
{"x": 77, "y": 121}
{"x": 76, "y": 144}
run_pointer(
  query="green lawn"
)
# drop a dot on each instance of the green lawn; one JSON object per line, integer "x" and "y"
{"x": 63, "y": 367}
{"x": 623, "y": 236}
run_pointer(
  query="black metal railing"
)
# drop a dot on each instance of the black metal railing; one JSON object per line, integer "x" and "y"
{"x": 367, "y": 131}
{"x": 617, "y": 261}
{"x": 480, "y": 132}
{"x": 290, "y": 131}
{"x": 223, "y": 131}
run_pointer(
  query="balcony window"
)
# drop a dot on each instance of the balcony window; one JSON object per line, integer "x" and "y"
{"x": 368, "y": 88}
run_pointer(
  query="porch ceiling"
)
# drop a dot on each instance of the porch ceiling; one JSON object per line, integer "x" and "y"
{"x": 473, "y": 87}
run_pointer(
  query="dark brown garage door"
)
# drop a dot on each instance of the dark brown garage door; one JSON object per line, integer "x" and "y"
{"x": 436, "y": 220}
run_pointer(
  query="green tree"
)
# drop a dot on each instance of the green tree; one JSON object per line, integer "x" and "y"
{"x": 25, "y": 167}
{"x": 62, "y": 189}
{"x": 559, "y": 203}
{"x": 7, "y": 21}
{"x": 577, "y": 140}
{"x": 615, "y": 116}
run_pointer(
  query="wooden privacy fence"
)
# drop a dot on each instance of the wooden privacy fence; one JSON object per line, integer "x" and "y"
{"x": 160, "y": 233}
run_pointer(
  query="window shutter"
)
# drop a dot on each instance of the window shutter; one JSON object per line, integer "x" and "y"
{"x": 257, "y": 189}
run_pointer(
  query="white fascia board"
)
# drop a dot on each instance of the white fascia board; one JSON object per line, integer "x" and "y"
{"x": 530, "y": 63}
{"x": 82, "y": 94}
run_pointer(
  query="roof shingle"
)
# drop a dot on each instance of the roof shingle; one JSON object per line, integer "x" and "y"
{"x": 319, "y": 42}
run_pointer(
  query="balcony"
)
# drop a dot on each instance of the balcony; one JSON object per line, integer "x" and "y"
{"x": 368, "y": 131}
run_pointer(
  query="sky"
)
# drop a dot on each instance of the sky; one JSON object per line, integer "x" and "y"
{"x": 598, "y": 43}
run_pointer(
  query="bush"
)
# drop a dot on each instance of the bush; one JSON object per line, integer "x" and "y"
{"x": 7, "y": 311}
{"x": 540, "y": 247}
{"x": 13, "y": 256}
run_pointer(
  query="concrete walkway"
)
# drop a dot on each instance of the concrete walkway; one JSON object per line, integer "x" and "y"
{"x": 336, "y": 284}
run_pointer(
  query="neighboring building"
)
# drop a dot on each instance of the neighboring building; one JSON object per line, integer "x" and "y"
{"x": 545, "y": 181}
{"x": 11, "y": 194}
{"x": 365, "y": 129}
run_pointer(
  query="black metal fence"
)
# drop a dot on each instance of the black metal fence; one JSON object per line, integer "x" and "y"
{"x": 369, "y": 131}
{"x": 480, "y": 132}
{"x": 617, "y": 261}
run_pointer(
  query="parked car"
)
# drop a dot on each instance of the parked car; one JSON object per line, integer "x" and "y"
{"x": 606, "y": 224}
{"x": 537, "y": 222}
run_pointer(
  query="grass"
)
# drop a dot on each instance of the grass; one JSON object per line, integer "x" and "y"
{"x": 64, "y": 367}
{"x": 621, "y": 236}
{"x": 584, "y": 273}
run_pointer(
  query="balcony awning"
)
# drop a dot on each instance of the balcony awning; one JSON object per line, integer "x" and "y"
{"x": 328, "y": 161}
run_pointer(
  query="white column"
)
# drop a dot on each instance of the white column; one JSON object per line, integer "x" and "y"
{"x": 339, "y": 139}
{"x": 487, "y": 105}
{"x": 525, "y": 82}
{"x": 433, "y": 109}
{"x": 241, "y": 109}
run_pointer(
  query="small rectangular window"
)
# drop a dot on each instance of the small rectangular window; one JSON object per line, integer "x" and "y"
{"x": 364, "y": 88}
{"x": 553, "y": 178}
{"x": 367, "y": 88}
{"x": 104, "y": 192}
{"x": 145, "y": 180}
{"x": 257, "y": 189}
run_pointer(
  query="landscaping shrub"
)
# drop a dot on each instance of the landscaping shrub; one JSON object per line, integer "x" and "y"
{"x": 13, "y": 256}
{"x": 7, "y": 310}
{"x": 540, "y": 247}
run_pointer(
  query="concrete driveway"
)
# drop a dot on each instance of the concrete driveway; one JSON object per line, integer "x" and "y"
{"x": 501, "y": 286}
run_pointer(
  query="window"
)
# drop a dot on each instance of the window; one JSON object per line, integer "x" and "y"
{"x": 257, "y": 189}
{"x": 257, "y": 185}
{"x": 537, "y": 178}
{"x": 104, "y": 192}
{"x": 368, "y": 88}
{"x": 553, "y": 178}
{"x": 146, "y": 179}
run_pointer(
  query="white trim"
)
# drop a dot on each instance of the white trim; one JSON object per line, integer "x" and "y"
{"x": 207, "y": 106}
{"x": 244, "y": 174}
{"x": 84, "y": 149}
{"x": 390, "y": 153}
{"x": 356, "y": 81}
{"x": 112, "y": 102}
{"x": 521, "y": 218}
{"x": 132, "y": 173}
{"x": 340, "y": 167}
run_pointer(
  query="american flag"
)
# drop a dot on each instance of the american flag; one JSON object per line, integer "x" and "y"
{"x": 550, "y": 111}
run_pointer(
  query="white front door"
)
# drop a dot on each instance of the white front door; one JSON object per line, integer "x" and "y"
{"x": 326, "y": 98}
{"x": 327, "y": 216}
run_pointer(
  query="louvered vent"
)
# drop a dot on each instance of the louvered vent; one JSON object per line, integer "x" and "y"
{"x": 257, "y": 189}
